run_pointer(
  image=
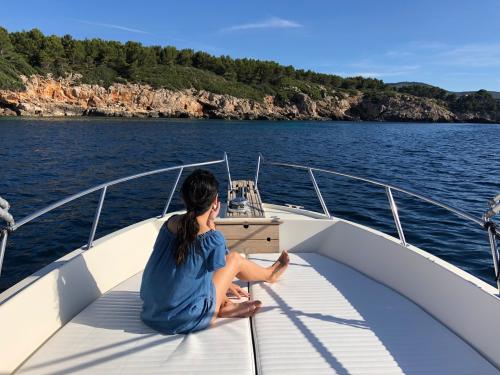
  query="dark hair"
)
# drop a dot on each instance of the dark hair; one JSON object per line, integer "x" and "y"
{"x": 198, "y": 193}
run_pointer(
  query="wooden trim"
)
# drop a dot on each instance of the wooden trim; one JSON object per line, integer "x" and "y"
{"x": 253, "y": 246}
{"x": 247, "y": 220}
{"x": 249, "y": 231}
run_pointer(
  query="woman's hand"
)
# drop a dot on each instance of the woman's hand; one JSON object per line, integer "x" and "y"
{"x": 238, "y": 291}
{"x": 227, "y": 302}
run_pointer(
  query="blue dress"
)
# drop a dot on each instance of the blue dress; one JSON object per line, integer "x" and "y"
{"x": 181, "y": 298}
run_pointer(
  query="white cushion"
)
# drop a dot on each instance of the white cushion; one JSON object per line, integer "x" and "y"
{"x": 108, "y": 337}
{"x": 323, "y": 317}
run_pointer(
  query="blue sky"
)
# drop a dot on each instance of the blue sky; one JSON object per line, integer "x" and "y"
{"x": 451, "y": 44}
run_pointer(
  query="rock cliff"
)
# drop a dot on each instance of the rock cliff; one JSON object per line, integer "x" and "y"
{"x": 47, "y": 96}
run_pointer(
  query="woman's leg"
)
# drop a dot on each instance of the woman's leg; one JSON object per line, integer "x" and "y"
{"x": 244, "y": 269}
{"x": 250, "y": 271}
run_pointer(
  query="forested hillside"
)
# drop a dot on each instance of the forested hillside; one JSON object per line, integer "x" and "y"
{"x": 109, "y": 62}
{"x": 106, "y": 62}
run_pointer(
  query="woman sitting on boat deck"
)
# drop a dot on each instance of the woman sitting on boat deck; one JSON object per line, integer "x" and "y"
{"x": 190, "y": 272}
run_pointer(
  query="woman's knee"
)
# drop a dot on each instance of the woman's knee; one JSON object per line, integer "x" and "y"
{"x": 233, "y": 258}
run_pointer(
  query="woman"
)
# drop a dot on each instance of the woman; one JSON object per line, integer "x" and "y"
{"x": 190, "y": 271}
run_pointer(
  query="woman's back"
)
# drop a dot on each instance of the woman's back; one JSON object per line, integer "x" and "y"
{"x": 179, "y": 298}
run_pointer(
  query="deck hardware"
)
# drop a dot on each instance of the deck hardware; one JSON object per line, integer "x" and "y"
{"x": 395, "y": 215}
{"x": 165, "y": 210}
{"x": 318, "y": 193}
{"x": 96, "y": 217}
{"x": 240, "y": 202}
{"x": 297, "y": 207}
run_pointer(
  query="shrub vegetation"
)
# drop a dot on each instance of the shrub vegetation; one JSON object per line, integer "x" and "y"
{"x": 107, "y": 62}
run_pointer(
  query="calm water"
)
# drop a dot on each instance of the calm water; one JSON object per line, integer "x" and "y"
{"x": 43, "y": 161}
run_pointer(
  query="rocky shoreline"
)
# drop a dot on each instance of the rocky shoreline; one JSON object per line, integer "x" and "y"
{"x": 66, "y": 97}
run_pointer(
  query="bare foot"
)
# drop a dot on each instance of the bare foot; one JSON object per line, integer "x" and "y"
{"x": 279, "y": 267}
{"x": 239, "y": 310}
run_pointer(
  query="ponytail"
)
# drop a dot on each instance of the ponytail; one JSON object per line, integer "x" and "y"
{"x": 187, "y": 231}
{"x": 199, "y": 191}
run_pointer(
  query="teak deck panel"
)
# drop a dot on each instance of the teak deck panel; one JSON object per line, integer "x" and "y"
{"x": 252, "y": 195}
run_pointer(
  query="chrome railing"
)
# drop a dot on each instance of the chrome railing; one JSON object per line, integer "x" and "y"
{"x": 103, "y": 188}
{"x": 485, "y": 222}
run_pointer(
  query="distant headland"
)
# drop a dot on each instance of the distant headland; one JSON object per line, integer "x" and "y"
{"x": 60, "y": 76}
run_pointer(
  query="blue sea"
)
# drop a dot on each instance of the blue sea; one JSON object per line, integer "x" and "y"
{"x": 43, "y": 161}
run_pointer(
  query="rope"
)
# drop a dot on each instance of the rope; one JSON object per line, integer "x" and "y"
{"x": 4, "y": 212}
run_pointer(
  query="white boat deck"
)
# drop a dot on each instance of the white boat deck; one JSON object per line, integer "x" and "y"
{"x": 326, "y": 318}
{"x": 108, "y": 337}
{"x": 322, "y": 317}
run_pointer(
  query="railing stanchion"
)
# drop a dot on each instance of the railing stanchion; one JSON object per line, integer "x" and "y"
{"x": 3, "y": 245}
{"x": 228, "y": 171}
{"x": 394, "y": 209}
{"x": 257, "y": 172}
{"x": 96, "y": 217}
{"x": 172, "y": 192}
{"x": 494, "y": 253}
{"x": 318, "y": 193}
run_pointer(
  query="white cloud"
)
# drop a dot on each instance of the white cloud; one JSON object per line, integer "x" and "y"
{"x": 270, "y": 23}
{"x": 113, "y": 26}
{"x": 428, "y": 44}
{"x": 378, "y": 70}
{"x": 472, "y": 55}
{"x": 380, "y": 74}
{"x": 438, "y": 53}
{"x": 358, "y": 74}
{"x": 398, "y": 54}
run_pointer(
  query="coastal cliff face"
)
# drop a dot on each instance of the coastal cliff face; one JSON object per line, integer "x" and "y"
{"x": 46, "y": 96}
{"x": 50, "y": 97}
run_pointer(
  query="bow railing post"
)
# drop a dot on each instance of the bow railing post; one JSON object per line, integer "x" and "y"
{"x": 96, "y": 217}
{"x": 165, "y": 210}
{"x": 257, "y": 172}
{"x": 228, "y": 171}
{"x": 395, "y": 215}
{"x": 3, "y": 245}
{"x": 318, "y": 193}
{"x": 494, "y": 251}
